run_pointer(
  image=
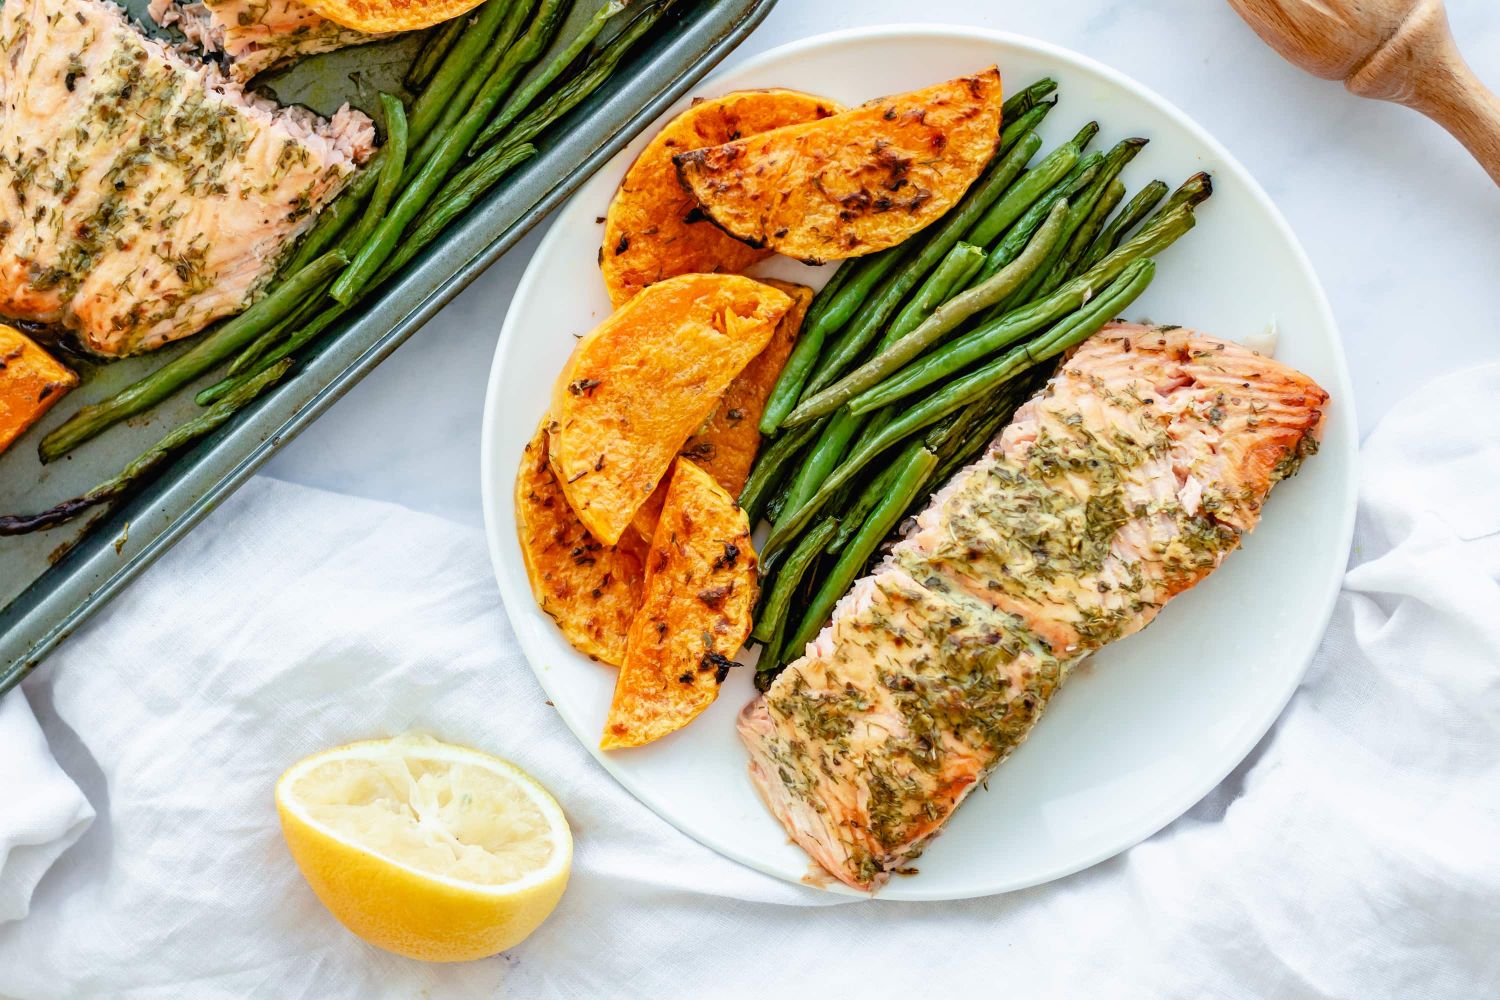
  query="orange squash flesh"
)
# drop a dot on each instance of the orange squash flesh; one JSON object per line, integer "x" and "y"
{"x": 853, "y": 183}
{"x": 726, "y": 446}
{"x": 652, "y": 230}
{"x": 591, "y": 590}
{"x": 699, "y": 595}
{"x": 645, "y": 379}
{"x": 31, "y": 381}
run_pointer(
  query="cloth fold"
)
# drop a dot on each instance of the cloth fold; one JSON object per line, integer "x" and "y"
{"x": 44, "y": 811}
{"x": 1356, "y": 853}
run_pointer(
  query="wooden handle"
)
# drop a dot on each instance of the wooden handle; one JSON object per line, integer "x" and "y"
{"x": 1421, "y": 67}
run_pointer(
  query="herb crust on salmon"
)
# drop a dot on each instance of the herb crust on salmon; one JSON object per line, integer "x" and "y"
{"x": 143, "y": 197}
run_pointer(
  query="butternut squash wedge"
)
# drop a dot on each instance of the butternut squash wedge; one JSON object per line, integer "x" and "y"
{"x": 645, "y": 379}
{"x": 853, "y": 183}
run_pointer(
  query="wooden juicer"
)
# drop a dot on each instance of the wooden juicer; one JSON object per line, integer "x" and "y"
{"x": 1394, "y": 50}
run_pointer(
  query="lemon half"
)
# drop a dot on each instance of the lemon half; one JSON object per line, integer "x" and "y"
{"x": 432, "y": 851}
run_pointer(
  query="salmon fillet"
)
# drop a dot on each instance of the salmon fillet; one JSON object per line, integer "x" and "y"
{"x": 141, "y": 197}
{"x": 256, "y": 35}
{"x": 1124, "y": 482}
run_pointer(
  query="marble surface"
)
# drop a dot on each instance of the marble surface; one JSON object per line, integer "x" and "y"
{"x": 1402, "y": 226}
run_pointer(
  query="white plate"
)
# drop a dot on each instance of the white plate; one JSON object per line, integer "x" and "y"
{"x": 1153, "y": 722}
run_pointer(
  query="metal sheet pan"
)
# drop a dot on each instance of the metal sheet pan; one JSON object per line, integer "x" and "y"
{"x": 51, "y": 581}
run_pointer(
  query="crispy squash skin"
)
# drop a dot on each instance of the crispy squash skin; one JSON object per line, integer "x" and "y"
{"x": 591, "y": 590}
{"x": 645, "y": 379}
{"x": 726, "y": 446}
{"x": 653, "y": 229}
{"x": 700, "y": 592}
{"x": 853, "y": 183}
{"x": 31, "y": 380}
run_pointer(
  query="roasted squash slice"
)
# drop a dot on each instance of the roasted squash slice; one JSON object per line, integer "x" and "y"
{"x": 590, "y": 589}
{"x": 653, "y": 229}
{"x": 726, "y": 446}
{"x": 853, "y": 183}
{"x": 645, "y": 379}
{"x": 375, "y": 17}
{"x": 699, "y": 595}
{"x": 31, "y": 380}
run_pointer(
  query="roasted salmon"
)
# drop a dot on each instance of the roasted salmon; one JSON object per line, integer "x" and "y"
{"x": 1125, "y": 481}
{"x": 141, "y": 197}
{"x": 253, "y": 36}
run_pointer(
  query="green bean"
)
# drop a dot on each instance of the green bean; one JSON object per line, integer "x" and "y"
{"x": 915, "y": 467}
{"x": 258, "y": 348}
{"x": 1005, "y": 330}
{"x": 457, "y": 195}
{"x": 429, "y": 227}
{"x": 864, "y": 274}
{"x": 827, "y": 452}
{"x": 954, "y": 271}
{"x": 138, "y": 471}
{"x": 852, "y": 519}
{"x": 473, "y": 43}
{"x": 1067, "y": 265}
{"x": 456, "y": 67}
{"x": 311, "y": 329}
{"x": 947, "y": 318}
{"x": 979, "y": 432}
{"x": 334, "y": 219}
{"x": 463, "y": 98}
{"x": 851, "y": 342}
{"x": 571, "y": 92}
{"x": 439, "y": 40}
{"x": 1026, "y": 99}
{"x": 393, "y": 163}
{"x": 1120, "y": 226}
{"x": 990, "y": 413}
{"x": 1070, "y": 331}
{"x": 1081, "y": 195}
{"x": 788, "y": 576}
{"x": 778, "y": 500}
{"x": 855, "y": 279}
{"x": 942, "y": 438}
{"x": 1085, "y": 136}
{"x": 1056, "y": 271}
{"x": 771, "y": 467}
{"x": 1018, "y": 236}
{"x": 1032, "y": 189}
{"x": 1024, "y": 126}
{"x": 522, "y": 100}
{"x": 1192, "y": 191}
{"x": 836, "y": 280}
{"x": 209, "y": 350}
{"x": 595, "y": 71}
{"x": 415, "y": 197}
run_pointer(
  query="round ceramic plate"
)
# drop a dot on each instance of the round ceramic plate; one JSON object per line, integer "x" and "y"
{"x": 1149, "y": 725}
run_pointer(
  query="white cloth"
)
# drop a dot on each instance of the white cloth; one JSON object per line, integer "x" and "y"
{"x": 42, "y": 813}
{"x": 1355, "y": 854}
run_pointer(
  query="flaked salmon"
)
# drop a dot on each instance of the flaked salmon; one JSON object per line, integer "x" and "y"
{"x": 1125, "y": 481}
{"x": 142, "y": 197}
{"x": 253, "y": 36}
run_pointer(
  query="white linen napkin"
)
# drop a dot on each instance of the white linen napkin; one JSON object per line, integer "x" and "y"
{"x": 1355, "y": 854}
{"x": 43, "y": 811}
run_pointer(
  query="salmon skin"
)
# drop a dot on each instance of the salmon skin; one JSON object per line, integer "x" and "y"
{"x": 143, "y": 197}
{"x": 253, "y": 36}
{"x": 1125, "y": 481}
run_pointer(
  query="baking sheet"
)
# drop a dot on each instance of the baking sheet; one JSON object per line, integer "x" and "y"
{"x": 50, "y": 581}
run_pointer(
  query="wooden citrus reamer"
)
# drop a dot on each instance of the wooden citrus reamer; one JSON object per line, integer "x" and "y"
{"x": 1394, "y": 50}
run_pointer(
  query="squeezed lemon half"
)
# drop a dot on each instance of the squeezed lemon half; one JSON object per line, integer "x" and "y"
{"x": 432, "y": 851}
